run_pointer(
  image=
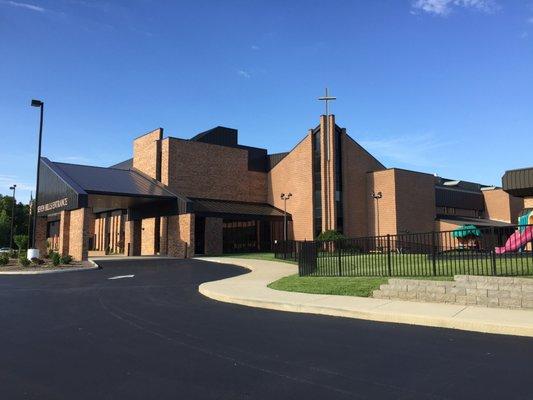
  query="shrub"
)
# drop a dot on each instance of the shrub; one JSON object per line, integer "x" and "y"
{"x": 4, "y": 258}
{"x": 66, "y": 259}
{"x": 56, "y": 258}
{"x": 37, "y": 261}
{"x": 23, "y": 260}
{"x": 330, "y": 235}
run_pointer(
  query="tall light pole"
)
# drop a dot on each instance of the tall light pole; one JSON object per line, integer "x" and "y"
{"x": 285, "y": 197}
{"x": 40, "y": 104}
{"x": 326, "y": 99}
{"x": 377, "y": 196}
{"x": 13, "y": 188}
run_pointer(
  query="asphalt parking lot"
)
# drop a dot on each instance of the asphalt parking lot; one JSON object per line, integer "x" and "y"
{"x": 81, "y": 335}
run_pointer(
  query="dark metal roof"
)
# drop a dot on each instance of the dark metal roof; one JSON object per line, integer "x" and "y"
{"x": 274, "y": 159}
{"x": 126, "y": 164}
{"x": 112, "y": 181}
{"x": 518, "y": 182}
{"x": 459, "y": 198}
{"x": 479, "y": 222}
{"x": 235, "y": 209}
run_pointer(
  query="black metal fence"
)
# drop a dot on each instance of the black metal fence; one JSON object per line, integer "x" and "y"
{"x": 287, "y": 250}
{"x": 484, "y": 251}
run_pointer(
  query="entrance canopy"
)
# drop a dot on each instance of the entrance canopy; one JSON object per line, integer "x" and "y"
{"x": 65, "y": 186}
{"x": 70, "y": 186}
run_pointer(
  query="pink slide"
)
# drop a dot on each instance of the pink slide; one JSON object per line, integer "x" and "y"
{"x": 516, "y": 240}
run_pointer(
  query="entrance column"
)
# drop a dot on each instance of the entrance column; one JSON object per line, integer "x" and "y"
{"x": 132, "y": 237}
{"x": 64, "y": 233}
{"x": 40, "y": 236}
{"x": 80, "y": 232}
{"x": 180, "y": 237}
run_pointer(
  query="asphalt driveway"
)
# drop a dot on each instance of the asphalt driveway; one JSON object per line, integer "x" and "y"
{"x": 81, "y": 335}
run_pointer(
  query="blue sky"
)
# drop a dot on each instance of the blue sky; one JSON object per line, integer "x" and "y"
{"x": 441, "y": 86}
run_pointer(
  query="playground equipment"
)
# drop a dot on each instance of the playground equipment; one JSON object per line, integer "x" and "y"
{"x": 521, "y": 237}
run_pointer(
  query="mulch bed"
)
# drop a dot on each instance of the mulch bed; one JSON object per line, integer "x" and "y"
{"x": 13, "y": 265}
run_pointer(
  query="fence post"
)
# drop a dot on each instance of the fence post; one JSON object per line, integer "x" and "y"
{"x": 433, "y": 253}
{"x": 389, "y": 265}
{"x": 339, "y": 256}
{"x": 493, "y": 250}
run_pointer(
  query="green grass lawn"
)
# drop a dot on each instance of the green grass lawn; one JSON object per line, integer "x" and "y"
{"x": 420, "y": 265}
{"x": 345, "y": 286}
{"x": 258, "y": 256}
{"x": 362, "y": 287}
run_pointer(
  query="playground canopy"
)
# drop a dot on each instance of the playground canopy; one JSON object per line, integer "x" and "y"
{"x": 466, "y": 231}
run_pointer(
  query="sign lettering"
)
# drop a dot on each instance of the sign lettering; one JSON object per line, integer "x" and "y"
{"x": 53, "y": 205}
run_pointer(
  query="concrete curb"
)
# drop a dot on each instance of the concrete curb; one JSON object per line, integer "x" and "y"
{"x": 53, "y": 271}
{"x": 251, "y": 290}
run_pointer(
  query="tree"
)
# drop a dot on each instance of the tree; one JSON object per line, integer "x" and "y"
{"x": 21, "y": 241}
{"x": 20, "y": 225}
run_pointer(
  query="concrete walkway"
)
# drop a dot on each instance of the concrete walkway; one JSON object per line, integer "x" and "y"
{"x": 251, "y": 290}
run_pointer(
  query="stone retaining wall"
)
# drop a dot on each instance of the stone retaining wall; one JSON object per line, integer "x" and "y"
{"x": 485, "y": 291}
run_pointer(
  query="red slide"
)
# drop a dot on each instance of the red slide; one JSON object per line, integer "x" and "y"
{"x": 516, "y": 241}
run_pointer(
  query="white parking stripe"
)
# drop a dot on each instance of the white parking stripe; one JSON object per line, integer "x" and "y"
{"x": 121, "y": 276}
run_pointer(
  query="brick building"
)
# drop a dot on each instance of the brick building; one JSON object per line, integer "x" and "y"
{"x": 211, "y": 195}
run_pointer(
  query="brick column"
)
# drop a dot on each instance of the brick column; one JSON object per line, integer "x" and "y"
{"x": 213, "y": 236}
{"x": 149, "y": 231}
{"x": 132, "y": 237}
{"x": 81, "y": 226}
{"x": 64, "y": 233}
{"x": 180, "y": 236}
{"x": 163, "y": 238}
{"x": 40, "y": 236}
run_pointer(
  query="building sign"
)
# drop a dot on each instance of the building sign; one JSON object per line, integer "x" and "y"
{"x": 53, "y": 205}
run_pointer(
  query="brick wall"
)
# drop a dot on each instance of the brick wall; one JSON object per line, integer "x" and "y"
{"x": 213, "y": 236}
{"x": 407, "y": 205}
{"x": 415, "y": 201}
{"x": 384, "y": 182}
{"x": 294, "y": 174}
{"x": 147, "y": 153}
{"x": 501, "y": 206}
{"x": 197, "y": 169}
{"x": 356, "y": 163}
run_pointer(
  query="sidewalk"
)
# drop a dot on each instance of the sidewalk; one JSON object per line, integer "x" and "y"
{"x": 251, "y": 290}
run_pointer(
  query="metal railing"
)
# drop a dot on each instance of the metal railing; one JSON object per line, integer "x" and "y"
{"x": 287, "y": 250}
{"x": 487, "y": 251}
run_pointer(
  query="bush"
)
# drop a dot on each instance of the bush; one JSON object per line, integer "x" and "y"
{"x": 330, "y": 235}
{"x": 4, "y": 258}
{"x": 56, "y": 258}
{"x": 66, "y": 259}
{"x": 37, "y": 261}
{"x": 23, "y": 260}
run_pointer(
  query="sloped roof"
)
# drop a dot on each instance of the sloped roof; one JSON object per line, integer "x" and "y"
{"x": 228, "y": 208}
{"x": 112, "y": 181}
